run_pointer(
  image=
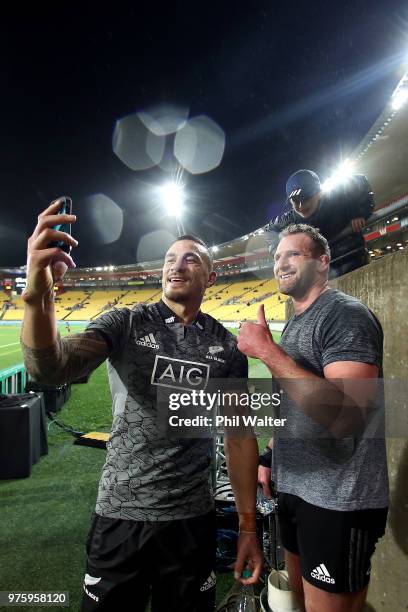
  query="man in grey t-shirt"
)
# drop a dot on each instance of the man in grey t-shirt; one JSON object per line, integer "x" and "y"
{"x": 330, "y": 462}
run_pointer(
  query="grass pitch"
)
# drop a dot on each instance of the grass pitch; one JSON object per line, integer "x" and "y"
{"x": 45, "y": 518}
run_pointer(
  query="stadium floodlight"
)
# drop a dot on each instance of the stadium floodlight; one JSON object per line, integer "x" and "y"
{"x": 330, "y": 183}
{"x": 326, "y": 185}
{"x": 172, "y": 195}
{"x": 214, "y": 249}
{"x": 399, "y": 98}
{"x": 343, "y": 173}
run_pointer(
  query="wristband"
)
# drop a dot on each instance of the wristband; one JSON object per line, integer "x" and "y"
{"x": 247, "y": 522}
{"x": 266, "y": 458}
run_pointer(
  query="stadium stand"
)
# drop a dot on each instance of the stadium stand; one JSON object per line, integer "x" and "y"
{"x": 214, "y": 297}
{"x": 241, "y": 300}
{"x": 224, "y": 301}
{"x": 15, "y": 310}
{"x": 69, "y": 301}
{"x": 92, "y": 305}
{"x": 141, "y": 296}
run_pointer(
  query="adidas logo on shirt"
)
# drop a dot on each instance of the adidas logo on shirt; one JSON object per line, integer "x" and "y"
{"x": 321, "y": 573}
{"x": 210, "y": 582}
{"x": 148, "y": 341}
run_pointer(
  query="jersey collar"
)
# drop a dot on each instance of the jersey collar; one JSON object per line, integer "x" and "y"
{"x": 169, "y": 317}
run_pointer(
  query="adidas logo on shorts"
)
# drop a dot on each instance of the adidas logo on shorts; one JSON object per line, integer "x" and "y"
{"x": 321, "y": 573}
{"x": 148, "y": 341}
{"x": 210, "y": 582}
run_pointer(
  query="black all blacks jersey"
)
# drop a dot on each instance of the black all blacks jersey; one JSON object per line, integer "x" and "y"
{"x": 145, "y": 476}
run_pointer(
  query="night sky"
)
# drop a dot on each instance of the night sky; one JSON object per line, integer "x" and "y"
{"x": 291, "y": 85}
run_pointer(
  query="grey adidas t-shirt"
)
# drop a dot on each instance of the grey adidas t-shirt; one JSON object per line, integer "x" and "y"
{"x": 346, "y": 474}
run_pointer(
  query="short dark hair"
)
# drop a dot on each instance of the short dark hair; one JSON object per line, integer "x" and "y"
{"x": 320, "y": 244}
{"x": 194, "y": 238}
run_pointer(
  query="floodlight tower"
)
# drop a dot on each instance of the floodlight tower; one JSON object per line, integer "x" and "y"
{"x": 173, "y": 199}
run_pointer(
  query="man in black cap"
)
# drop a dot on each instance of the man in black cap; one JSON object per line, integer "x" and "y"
{"x": 339, "y": 214}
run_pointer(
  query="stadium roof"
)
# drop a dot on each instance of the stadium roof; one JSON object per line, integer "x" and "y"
{"x": 382, "y": 154}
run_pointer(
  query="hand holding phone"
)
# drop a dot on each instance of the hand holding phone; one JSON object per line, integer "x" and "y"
{"x": 65, "y": 209}
{"x": 49, "y": 250}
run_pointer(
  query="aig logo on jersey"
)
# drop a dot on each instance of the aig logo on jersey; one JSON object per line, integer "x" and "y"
{"x": 179, "y": 374}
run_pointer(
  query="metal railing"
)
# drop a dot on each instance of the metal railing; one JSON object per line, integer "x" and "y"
{"x": 13, "y": 380}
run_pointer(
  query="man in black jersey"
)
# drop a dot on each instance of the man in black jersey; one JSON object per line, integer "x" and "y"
{"x": 153, "y": 530}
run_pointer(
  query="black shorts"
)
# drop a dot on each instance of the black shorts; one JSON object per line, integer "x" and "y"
{"x": 335, "y": 547}
{"x": 171, "y": 562}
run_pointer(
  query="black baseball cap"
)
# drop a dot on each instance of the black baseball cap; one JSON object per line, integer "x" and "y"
{"x": 303, "y": 184}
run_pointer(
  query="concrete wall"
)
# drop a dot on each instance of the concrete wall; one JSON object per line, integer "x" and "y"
{"x": 383, "y": 286}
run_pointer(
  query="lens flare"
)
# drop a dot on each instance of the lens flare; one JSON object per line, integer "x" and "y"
{"x": 136, "y": 145}
{"x": 199, "y": 145}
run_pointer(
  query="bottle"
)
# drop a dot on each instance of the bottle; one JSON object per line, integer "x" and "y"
{"x": 265, "y": 505}
{"x": 246, "y": 596}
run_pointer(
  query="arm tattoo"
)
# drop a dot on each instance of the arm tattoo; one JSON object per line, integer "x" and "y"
{"x": 67, "y": 359}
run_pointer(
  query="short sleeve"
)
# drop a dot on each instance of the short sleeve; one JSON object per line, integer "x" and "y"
{"x": 239, "y": 365}
{"x": 113, "y": 326}
{"x": 353, "y": 334}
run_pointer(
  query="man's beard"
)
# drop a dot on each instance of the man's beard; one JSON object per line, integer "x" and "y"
{"x": 300, "y": 287}
{"x": 176, "y": 296}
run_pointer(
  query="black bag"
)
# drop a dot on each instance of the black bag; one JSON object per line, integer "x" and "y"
{"x": 54, "y": 396}
{"x": 23, "y": 433}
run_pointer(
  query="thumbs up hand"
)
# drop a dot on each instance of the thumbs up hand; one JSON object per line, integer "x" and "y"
{"x": 255, "y": 339}
{"x": 260, "y": 316}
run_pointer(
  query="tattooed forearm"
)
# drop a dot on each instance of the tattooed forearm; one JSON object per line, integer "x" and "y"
{"x": 67, "y": 359}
